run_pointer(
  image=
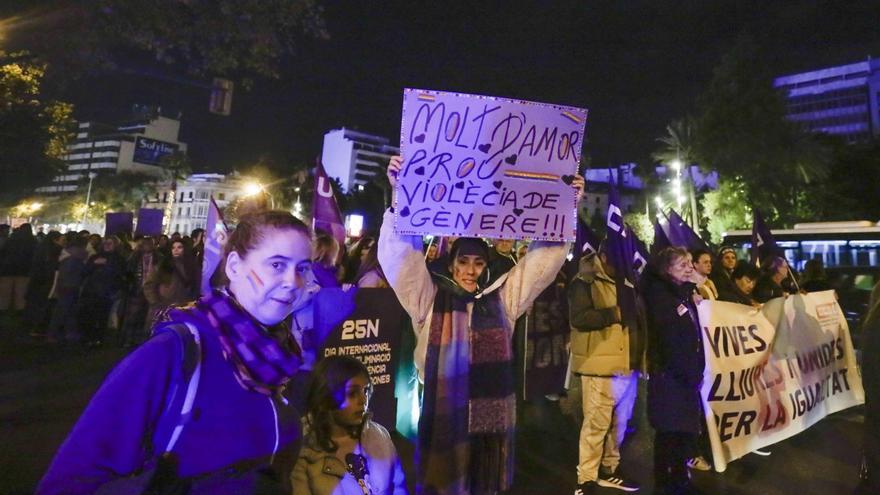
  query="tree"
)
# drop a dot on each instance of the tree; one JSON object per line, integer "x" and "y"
{"x": 726, "y": 208}
{"x": 33, "y": 130}
{"x": 742, "y": 133}
{"x": 677, "y": 146}
{"x": 238, "y": 39}
{"x": 123, "y": 192}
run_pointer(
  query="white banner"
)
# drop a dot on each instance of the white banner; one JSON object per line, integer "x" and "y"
{"x": 773, "y": 372}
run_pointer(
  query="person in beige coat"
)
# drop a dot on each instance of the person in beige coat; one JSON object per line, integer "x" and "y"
{"x": 607, "y": 356}
{"x": 344, "y": 452}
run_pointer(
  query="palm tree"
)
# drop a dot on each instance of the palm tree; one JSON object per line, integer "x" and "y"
{"x": 677, "y": 146}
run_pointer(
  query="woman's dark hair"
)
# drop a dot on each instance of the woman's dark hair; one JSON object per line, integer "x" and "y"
{"x": 471, "y": 243}
{"x": 326, "y": 392}
{"x": 353, "y": 259}
{"x": 323, "y": 248}
{"x": 252, "y": 228}
{"x": 697, "y": 253}
{"x": 771, "y": 264}
{"x": 745, "y": 269}
{"x": 814, "y": 269}
{"x": 666, "y": 257}
{"x": 370, "y": 263}
{"x": 187, "y": 269}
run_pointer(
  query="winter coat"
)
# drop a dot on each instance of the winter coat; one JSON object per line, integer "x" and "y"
{"x": 403, "y": 262}
{"x": 735, "y": 295}
{"x": 600, "y": 344}
{"x": 68, "y": 278}
{"x": 102, "y": 280}
{"x": 17, "y": 255}
{"x": 766, "y": 289}
{"x": 231, "y": 430}
{"x": 43, "y": 269}
{"x": 675, "y": 356}
{"x": 318, "y": 472}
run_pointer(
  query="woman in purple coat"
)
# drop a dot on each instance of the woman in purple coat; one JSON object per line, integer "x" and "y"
{"x": 239, "y": 434}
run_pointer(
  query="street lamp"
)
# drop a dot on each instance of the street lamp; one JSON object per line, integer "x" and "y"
{"x": 92, "y": 176}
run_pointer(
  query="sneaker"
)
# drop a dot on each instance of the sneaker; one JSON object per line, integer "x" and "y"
{"x": 588, "y": 488}
{"x": 699, "y": 463}
{"x": 762, "y": 453}
{"x": 617, "y": 480}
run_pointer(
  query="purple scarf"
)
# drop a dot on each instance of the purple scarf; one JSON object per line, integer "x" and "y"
{"x": 466, "y": 429}
{"x": 263, "y": 359}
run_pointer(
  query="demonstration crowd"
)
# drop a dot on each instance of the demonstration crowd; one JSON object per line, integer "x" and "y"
{"x": 220, "y": 396}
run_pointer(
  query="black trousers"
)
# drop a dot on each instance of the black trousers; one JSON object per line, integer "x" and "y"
{"x": 672, "y": 449}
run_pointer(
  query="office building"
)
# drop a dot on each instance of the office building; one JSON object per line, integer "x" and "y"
{"x": 186, "y": 206}
{"x": 140, "y": 145}
{"x": 843, "y": 100}
{"x": 355, "y": 157}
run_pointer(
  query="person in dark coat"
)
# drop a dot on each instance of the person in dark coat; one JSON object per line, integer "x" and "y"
{"x": 675, "y": 365}
{"x": 870, "y": 475}
{"x": 15, "y": 264}
{"x": 45, "y": 263}
{"x": 774, "y": 272}
{"x": 138, "y": 268}
{"x": 102, "y": 281}
{"x": 65, "y": 291}
{"x": 813, "y": 278}
{"x": 175, "y": 280}
{"x": 722, "y": 269}
{"x": 744, "y": 277}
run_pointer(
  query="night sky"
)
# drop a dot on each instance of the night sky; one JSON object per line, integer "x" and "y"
{"x": 636, "y": 65}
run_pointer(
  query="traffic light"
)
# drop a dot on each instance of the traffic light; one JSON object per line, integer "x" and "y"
{"x": 221, "y": 96}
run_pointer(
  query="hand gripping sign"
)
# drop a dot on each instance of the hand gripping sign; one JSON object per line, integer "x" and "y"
{"x": 488, "y": 167}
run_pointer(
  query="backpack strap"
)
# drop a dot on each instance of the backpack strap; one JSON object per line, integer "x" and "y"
{"x": 184, "y": 386}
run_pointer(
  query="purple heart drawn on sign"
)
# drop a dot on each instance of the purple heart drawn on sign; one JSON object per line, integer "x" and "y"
{"x": 420, "y": 138}
{"x": 419, "y": 171}
{"x": 459, "y": 185}
{"x": 497, "y": 184}
{"x": 511, "y": 159}
{"x": 518, "y": 211}
{"x": 568, "y": 179}
{"x": 404, "y": 212}
{"x": 485, "y": 147}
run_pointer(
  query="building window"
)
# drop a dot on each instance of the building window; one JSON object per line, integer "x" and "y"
{"x": 188, "y": 210}
{"x": 179, "y": 210}
{"x": 176, "y": 227}
{"x": 165, "y": 197}
{"x": 190, "y": 195}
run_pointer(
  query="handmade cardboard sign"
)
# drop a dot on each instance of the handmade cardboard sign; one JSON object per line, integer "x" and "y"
{"x": 487, "y": 166}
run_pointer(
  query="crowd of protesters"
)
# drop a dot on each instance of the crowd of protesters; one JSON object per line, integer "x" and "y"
{"x": 464, "y": 296}
{"x": 72, "y": 287}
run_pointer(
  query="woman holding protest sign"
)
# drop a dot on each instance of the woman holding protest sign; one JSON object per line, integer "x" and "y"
{"x": 198, "y": 408}
{"x": 675, "y": 366}
{"x": 464, "y": 353}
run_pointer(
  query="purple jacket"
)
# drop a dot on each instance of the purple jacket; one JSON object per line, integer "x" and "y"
{"x": 230, "y": 426}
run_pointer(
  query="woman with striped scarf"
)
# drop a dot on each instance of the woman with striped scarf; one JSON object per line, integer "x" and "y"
{"x": 464, "y": 328}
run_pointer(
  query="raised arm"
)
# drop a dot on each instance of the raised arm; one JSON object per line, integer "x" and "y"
{"x": 536, "y": 271}
{"x": 402, "y": 261}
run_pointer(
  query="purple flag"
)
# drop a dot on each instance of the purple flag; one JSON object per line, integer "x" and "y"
{"x": 618, "y": 249}
{"x": 325, "y": 210}
{"x": 682, "y": 234}
{"x": 215, "y": 240}
{"x": 661, "y": 240}
{"x": 639, "y": 254}
{"x": 118, "y": 222}
{"x": 586, "y": 243}
{"x": 763, "y": 243}
{"x": 149, "y": 222}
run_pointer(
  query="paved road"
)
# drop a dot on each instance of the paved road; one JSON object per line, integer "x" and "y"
{"x": 44, "y": 389}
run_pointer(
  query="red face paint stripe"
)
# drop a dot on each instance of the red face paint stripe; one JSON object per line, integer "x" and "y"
{"x": 257, "y": 278}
